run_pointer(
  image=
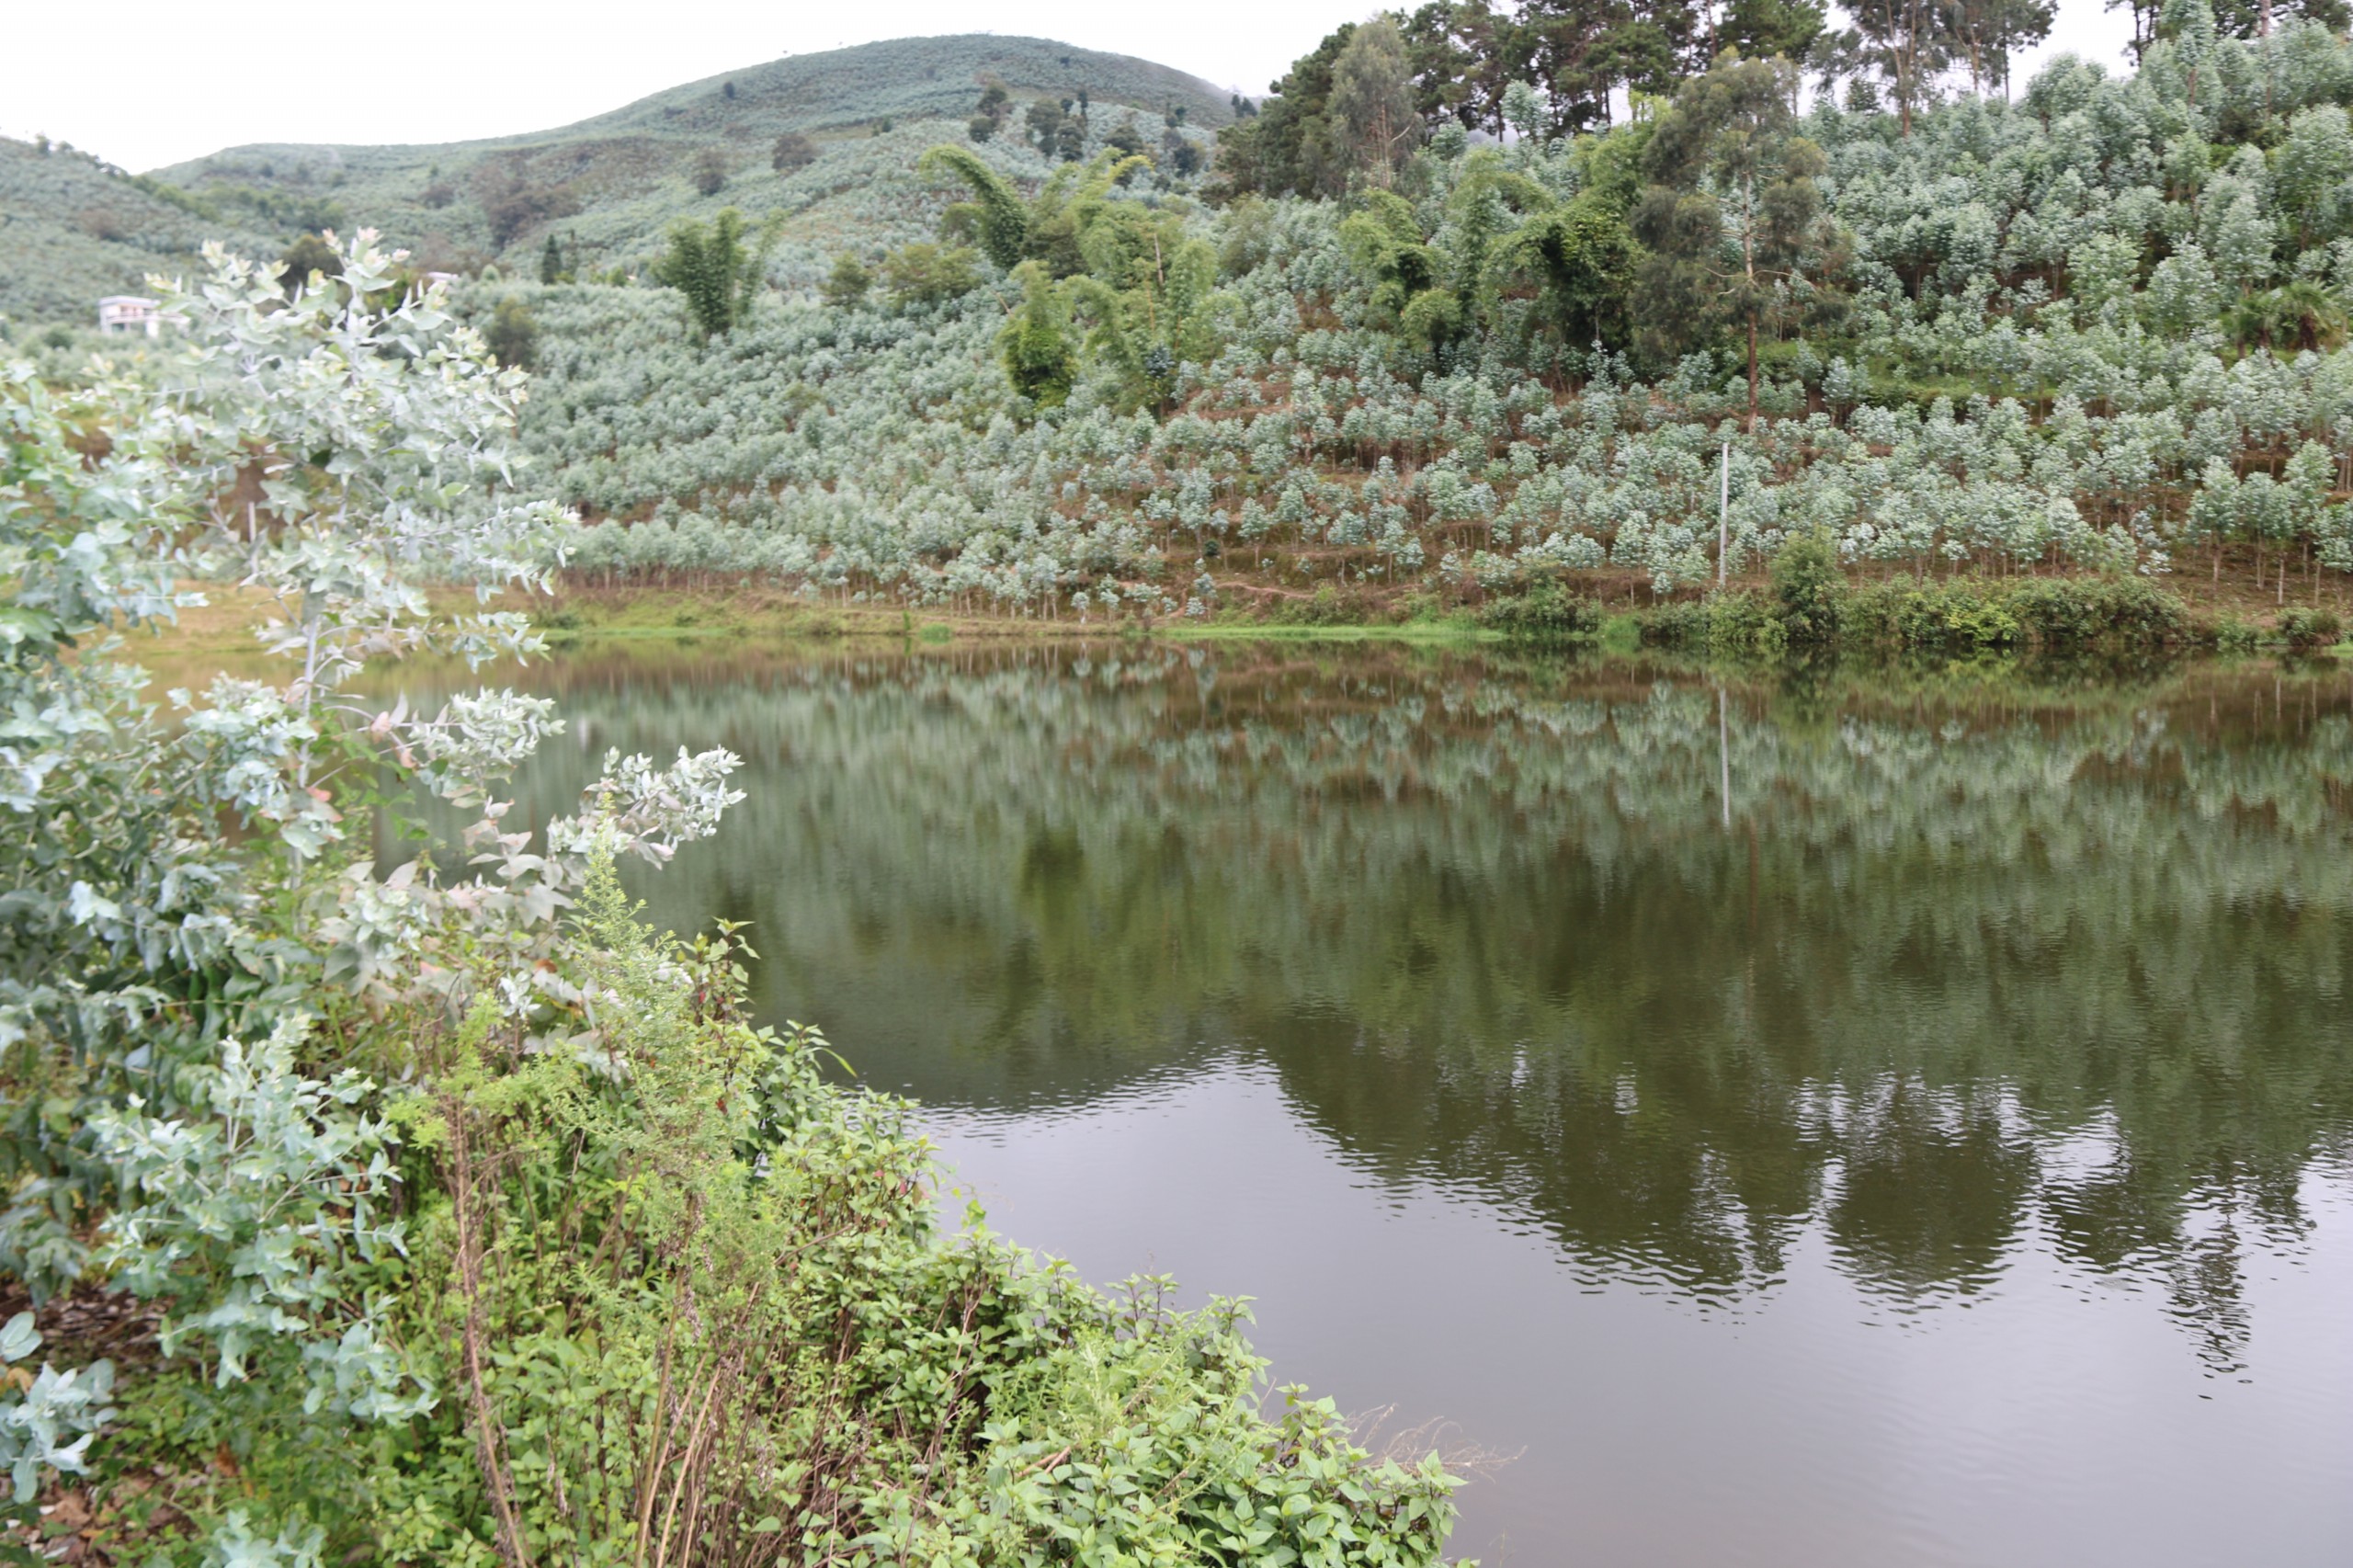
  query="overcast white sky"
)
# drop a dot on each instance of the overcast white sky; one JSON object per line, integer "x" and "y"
{"x": 144, "y": 83}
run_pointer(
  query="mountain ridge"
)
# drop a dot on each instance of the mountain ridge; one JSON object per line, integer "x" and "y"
{"x": 1013, "y": 59}
{"x": 607, "y": 185}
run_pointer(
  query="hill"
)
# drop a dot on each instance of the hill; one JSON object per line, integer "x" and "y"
{"x": 73, "y": 228}
{"x": 76, "y": 228}
{"x": 2068, "y": 346}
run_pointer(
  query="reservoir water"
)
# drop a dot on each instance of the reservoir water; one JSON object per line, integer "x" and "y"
{"x": 1840, "y": 1119}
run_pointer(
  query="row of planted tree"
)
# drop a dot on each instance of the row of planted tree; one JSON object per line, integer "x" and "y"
{"x": 2094, "y": 330}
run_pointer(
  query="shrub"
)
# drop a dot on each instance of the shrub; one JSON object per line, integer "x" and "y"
{"x": 792, "y": 151}
{"x": 922, "y": 273}
{"x": 513, "y": 335}
{"x": 1809, "y": 586}
{"x": 307, "y": 256}
{"x": 846, "y": 286}
{"x": 1329, "y": 605}
{"x": 1546, "y": 612}
{"x": 710, "y": 171}
{"x": 1742, "y": 623}
{"x": 1720, "y": 623}
{"x": 1677, "y": 623}
{"x": 2036, "y": 612}
{"x": 512, "y": 205}
{"x": 1949, "y": 615}
{"x": 2309, "y": 628}
{"x": 2067, "y": 612}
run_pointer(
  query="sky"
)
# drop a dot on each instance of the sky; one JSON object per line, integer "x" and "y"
{"x": 143, "y": 84}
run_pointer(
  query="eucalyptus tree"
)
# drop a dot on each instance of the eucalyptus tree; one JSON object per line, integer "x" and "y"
{"x": 1733, "y": 215}
{"x": 1372, "y": 102}
{"x": 1906, "y": 44}
{"x": 1985, "y": 33}
{"x": 1465, "y": 55}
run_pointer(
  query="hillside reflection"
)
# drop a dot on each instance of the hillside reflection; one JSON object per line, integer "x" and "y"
{"x": 1677, "y": 971}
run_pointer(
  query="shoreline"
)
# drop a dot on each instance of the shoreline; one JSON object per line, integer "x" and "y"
{"x": 1717, "y": 627}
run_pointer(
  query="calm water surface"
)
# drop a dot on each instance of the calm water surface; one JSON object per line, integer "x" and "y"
{"x": 1849, "y": 1121}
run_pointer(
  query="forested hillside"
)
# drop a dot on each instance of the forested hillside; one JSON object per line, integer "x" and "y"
{"x": 1470, "y": 311}
{"x": 2097, "y": 330}
{"x": 810, "y": 137}
{"x": 73, "y": 228}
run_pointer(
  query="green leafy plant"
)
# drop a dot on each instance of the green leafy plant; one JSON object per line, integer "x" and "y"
{"x": 513, "y": 334}
{"x": 476, "y": 1222}
{"x": 714, "y": 269}
{"x": 1809, "y": 586}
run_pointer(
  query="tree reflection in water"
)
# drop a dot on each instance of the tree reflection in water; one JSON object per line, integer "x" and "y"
{"x": 1675, "y": 965}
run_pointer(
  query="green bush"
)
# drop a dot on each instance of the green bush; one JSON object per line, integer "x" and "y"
{"x": 1327, "y": 606}
{"x": 1679, "y": 623}
{"x": 1809, "y": 585}
{"x": 2309, "y": 628}
{"x": 1743, "y": 623}
{"x": 2044, "y": 613}
{"x": 1720, "y": 623}
{"x": 922, "y": 273}
{"x": 845, "y": 287}
{"x": 513, "y": 334}
{"x": 1946, "y": 617}
{"x": 792, "y": 151}
{"x": 2065, "y": 612}
{"x": 1545, "y": 612}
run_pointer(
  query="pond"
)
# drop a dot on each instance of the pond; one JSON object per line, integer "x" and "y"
{"x": 1823, "y": 1119}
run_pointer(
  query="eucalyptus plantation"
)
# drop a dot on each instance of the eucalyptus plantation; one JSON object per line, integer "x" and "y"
{"x": 2093, "y": 331}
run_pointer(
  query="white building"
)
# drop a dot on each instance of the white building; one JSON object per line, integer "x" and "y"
{"x": 128, "y": 314}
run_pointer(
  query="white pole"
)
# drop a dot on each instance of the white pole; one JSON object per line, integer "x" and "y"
{"x": 1723, "y": 519}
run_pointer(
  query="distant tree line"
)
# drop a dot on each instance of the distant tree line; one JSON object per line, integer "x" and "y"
{"x": 1349, "y": 111}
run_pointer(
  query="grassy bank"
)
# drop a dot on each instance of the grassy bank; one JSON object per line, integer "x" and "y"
{"x": 1752, "y": 618}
